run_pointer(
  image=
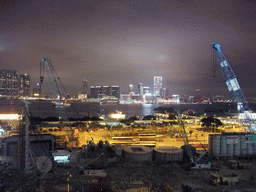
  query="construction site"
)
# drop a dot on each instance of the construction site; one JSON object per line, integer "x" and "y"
{"x": 184, "y": 154}
{"x": 177, "y": 157}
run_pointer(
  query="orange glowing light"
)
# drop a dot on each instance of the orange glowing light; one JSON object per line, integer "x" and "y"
{"x": 10, "y": 116}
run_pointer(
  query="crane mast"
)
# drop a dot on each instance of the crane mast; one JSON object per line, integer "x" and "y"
{"x": 186, "y": 142}
{"x": 56, "y": 85}
{"x": 233, "y": 86}
{"x": 46, "y": 64}
{"x": 194, "y": 161}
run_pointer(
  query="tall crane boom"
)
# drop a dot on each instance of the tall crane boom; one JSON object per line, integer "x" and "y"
{"x": 57, "y": 88}
{"x": 194, "y": 161}
{"x": 233, "y": 85}
{"x": 186, "y": 142}
{"x": 53, "y": 78}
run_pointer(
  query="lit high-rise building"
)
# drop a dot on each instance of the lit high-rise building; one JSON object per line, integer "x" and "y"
{"x": 146, "y": 90}
{"x": 163, "y": 93}
{"x": 24, "y": 85}
{"x": 9, "y": 83}
{"x": 106, "y": 90}
{"x": 115, "y": 91}
{"x": 130, "y": 88}
{"x": 36, "y": 92}
{"x": 140, "y": 87}
{"x": 95, "y": 91}
{"x": 101, "y": 91}
{"x": 85, "y": 86}
{"x": 158, "y": 85}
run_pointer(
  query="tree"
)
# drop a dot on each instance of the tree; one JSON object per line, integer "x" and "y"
{"x": 171, "y": 116}
{"x": 149, "y": 117}
{"x": 134, "y": 118}
{"x": 211, "y": 123}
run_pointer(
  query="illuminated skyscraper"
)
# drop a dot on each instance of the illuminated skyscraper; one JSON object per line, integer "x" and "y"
{"x": 95, "y": 91}
{"x": 36, "y": 91}
{"x": 24, "y": 85}
{"x": 9, "y": 84}
{"x": 115, "y": 91}
{"x": 140, "y": 87}
{"x": 146, "y": 90}
{"x": 101, "y": 91}
{"x": 163, "y": 93}
{"x": 131, "y": 88}
{"x": 106, "y": 90}
{"x": 158, "y": 85}
{"x": 85, "y": 86}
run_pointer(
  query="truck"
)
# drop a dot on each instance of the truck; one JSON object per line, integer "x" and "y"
{"x": 230, "y": 180}
{"x": 236, "y": 164}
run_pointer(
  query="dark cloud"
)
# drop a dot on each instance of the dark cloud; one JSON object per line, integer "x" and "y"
{"x": 126, "y": 42}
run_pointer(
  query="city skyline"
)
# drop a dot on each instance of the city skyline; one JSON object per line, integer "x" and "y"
{"x": 22, "y": 88}
{"x": 122, "y": 43}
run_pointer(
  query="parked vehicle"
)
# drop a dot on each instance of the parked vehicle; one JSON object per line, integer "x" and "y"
{"x": 230, "y": 180}
{"x": 235, "y": 164}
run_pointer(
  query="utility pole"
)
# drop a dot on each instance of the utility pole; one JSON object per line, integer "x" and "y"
{"x": 26, "y": 142}
{"x": 23, "y": 146}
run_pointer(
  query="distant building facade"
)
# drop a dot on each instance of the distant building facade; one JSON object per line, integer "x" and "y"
{"x": 9, "y": 83}
{"x": 36, "y": 92}
{"x": 82, "y": 96}
{"x": 131, "y": 98}
{"x": 85, "y": 86}
{"x": 101, "y": 91}
{"x": 140, "y": 87}
{"x": 164, "y": 93}
{"x": 95, "y": 91}
{"x": 174, "y": 99}
{"x": 158, "y": 85}
{"x": 115, "y": 91}
{"x": 106, "y": 90}
{"x": 130, "y": 88}
{"x": 146, "y": 90}
{"x": 24, "y": 82}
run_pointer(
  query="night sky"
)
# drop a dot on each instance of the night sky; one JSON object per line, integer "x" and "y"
{"x": 122, "y": 42}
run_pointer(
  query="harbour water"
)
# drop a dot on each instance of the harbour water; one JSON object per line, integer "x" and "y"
{"x": 45, "y": 108}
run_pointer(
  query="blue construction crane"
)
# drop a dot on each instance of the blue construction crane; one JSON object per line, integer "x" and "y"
{"x": 234, "y": 87}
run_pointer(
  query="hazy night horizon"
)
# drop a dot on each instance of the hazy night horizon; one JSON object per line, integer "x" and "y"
{"x": 130, "y": 42}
